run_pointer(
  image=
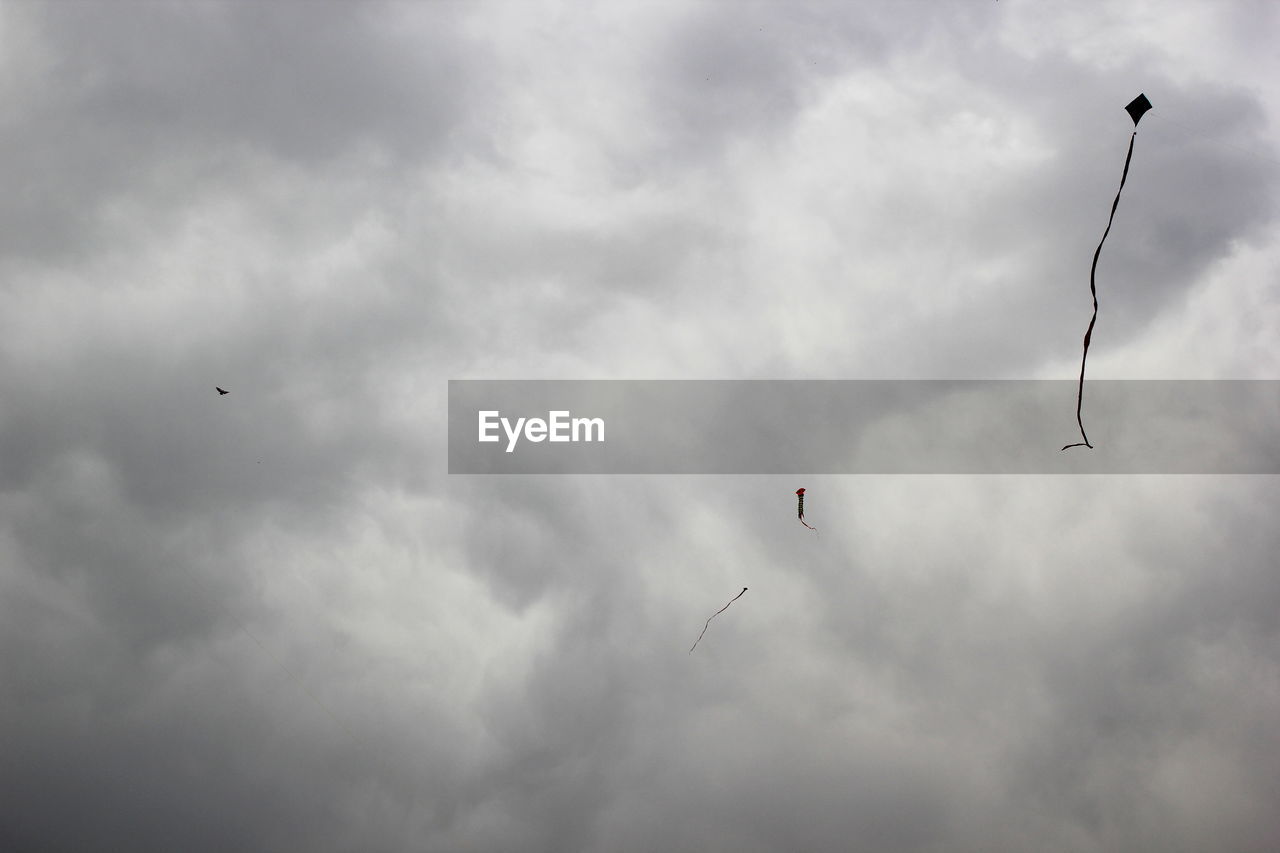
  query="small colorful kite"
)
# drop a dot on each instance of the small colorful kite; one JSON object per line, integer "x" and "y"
{"x": 712, "y": 616}
{"x": 800, "y": 510}
{"x": 1136, "y": 108}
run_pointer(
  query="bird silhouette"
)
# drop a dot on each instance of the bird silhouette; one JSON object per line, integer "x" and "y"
{"x": 220, "y": 391}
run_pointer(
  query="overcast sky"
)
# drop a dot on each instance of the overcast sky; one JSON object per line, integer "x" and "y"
{"x": 272, "y": 621}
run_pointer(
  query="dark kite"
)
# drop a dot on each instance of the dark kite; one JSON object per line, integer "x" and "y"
{"x": 1136, "y": 109}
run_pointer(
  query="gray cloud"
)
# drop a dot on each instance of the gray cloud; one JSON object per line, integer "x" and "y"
{"x": 159, "y": 99}
{"x": 272, "y": 621}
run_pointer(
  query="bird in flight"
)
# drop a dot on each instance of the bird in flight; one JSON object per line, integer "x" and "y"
{"x": 221, "y": 391}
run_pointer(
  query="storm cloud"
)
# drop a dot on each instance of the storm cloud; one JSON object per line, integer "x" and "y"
{"x": 272, "y": 620}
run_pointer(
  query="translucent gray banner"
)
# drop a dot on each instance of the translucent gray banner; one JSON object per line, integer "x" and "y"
{"x": 862, "y": 427}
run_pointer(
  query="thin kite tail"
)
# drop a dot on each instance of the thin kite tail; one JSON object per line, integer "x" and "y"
{"x": 806, "y": 524}
{"x": 712, "y": 616}
{"x": 704, "y": 631}
{"x": 1080, "y": 392}
{"x": 1093, "y": 290}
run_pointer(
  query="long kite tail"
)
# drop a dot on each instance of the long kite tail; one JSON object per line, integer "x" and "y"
{"x": 1136, "y": 109}
{"x": 712, "y": 616}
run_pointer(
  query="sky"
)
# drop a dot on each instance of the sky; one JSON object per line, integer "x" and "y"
{"x": 273, "y": 621}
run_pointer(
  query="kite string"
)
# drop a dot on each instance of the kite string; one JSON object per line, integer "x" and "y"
{"x": 1093, "y": 290}
{"x": 712, "y": 616}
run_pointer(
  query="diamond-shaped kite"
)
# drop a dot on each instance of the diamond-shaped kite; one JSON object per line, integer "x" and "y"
{"x": 1137, "y": 107}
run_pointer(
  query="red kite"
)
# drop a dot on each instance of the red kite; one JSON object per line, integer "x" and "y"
{"x": 800, "y": 510}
